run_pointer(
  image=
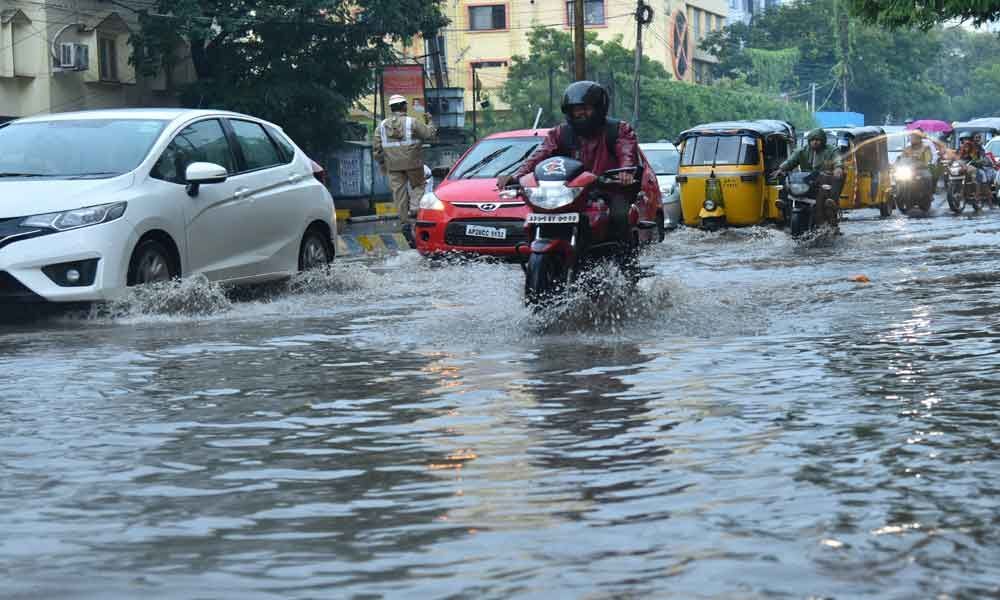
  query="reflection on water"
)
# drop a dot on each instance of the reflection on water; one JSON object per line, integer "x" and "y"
{"x": 755, "y": 421}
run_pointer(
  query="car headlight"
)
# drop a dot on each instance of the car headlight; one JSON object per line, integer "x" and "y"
{"x": 80, "y": 217}
{"x": 430, "y": 201}
{"x": 552, "y": 197}
{"x": 709, "y": 204}
{"x": 904, "y": 173}
{"x": 799, "y": 188}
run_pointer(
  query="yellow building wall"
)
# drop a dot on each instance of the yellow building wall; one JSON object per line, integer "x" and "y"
{"x": 465, "y": 46}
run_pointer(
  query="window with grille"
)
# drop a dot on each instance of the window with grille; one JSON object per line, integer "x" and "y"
{"x": 593, "y": 12}
{"x": 486, "y": 18}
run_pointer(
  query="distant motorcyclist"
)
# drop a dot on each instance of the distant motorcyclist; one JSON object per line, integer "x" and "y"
{"x": 921, "y": 157}
{"x": 819, "y": 156}
{"x": 917, "y": 150}
{"x": 589, "y": 136}
{"x": 978, "y": 164}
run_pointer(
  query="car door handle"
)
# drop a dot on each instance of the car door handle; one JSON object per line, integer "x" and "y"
{"x": 241, "y": 192}
{"x": 294, "y": 178}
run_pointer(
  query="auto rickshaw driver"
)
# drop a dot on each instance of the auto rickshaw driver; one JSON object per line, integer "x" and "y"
{"x": 818, "y": 156}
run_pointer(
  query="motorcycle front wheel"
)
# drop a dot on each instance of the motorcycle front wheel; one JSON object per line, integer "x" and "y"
{"x": 800, "y": 222}
{"x": 954, "y": 199}
{"x": 544, "y": 278}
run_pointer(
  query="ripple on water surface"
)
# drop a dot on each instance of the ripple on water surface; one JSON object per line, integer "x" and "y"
{"x": 750, "y": 422}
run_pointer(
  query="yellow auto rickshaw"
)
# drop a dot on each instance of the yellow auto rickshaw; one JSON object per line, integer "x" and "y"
{"x": 867, "y": 180}
{"x": 724, "y": 172}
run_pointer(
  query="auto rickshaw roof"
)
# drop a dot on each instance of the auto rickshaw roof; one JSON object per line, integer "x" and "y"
{"x": 984, "y": 124}
{"x": 761, "y": 128}
{"x": 860, "y": 133}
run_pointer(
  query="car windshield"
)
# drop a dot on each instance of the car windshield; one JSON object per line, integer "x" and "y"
{"x": 664, "y": 162}
{"x": 993, "y": 146}
{"x": 80, "y": 148}
{"x": 720, "y": 150}
{"x": 490, "y": 158}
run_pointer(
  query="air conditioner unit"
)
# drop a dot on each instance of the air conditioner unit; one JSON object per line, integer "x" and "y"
{"x": 74, "y": 56}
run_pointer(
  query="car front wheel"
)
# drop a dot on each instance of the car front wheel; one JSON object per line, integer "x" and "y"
{"x": 151, "y": 262}
{"x": 315, "y": 251}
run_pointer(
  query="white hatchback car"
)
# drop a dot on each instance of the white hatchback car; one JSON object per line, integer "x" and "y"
{"x": 92, "y": 202}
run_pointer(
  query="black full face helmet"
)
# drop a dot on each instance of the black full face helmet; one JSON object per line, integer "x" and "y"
{"x": 590, "y": 93}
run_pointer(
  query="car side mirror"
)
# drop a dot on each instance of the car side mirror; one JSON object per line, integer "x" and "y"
{"x": 201, "y": 173}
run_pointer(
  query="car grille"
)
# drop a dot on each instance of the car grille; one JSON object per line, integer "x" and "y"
{"x": 12, "y": 290}
{"x": 454, "y": 234}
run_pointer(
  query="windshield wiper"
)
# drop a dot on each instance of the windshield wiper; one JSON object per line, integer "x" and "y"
{"x": 94, "y": 174}
{"x": 518, "y": 161}
{"x": 485, "y": 161}
{"x": 12, "y": 174}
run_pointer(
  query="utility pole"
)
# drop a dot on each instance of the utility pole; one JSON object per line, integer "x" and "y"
{"x": 813, "y": 104}
{"x": 639, "y": 16}
{"x": 579, "y": 42}
{"x": 475, "y": 102}
{"x": 435, "y": 51}
{"x": 844, "y": 41}
{"x": 552, "y": 94}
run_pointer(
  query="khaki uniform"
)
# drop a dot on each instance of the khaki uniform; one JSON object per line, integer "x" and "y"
{"x": 398, "y": 151}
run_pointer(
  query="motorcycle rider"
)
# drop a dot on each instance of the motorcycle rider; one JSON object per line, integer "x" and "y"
{"x": 978, "y": 165}
{"x": 920, "y": 154}
{"x": 589, "y": 136}
{"x": 819, "y": 156}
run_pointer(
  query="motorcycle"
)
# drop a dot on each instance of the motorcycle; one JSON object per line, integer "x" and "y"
{"x": 961, "y": 188}
{"x": 572, "y": 226}
{"x": 806, "y": 197}
{"x": 912, "y": 185}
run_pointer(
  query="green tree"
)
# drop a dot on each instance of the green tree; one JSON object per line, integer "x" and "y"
{"x": 924, "y": 14}
{"x": 668, "y": 107}
{"x": 299, "y": 63}
{"x": 528, "y": 80}
{"x": 889, "y": 73}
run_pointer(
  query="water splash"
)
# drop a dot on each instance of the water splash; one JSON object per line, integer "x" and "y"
{"x": 336, "y": 278}
{"x": 192, "y": 297}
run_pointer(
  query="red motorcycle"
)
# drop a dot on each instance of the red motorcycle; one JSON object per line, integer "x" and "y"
{"x": 578, "y": 218}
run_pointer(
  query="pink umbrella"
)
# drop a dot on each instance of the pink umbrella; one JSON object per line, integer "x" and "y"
{"x": 931, "y": 125}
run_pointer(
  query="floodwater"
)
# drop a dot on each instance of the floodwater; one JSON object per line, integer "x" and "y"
{"x": 756, "y": 421}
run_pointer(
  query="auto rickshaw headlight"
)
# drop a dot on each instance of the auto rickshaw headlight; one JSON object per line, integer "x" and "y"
{"x": 799, "y": 188}
{"x": 709, "y": 205}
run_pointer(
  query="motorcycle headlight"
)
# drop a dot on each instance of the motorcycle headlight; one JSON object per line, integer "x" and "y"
{"x": 799, "y": 188}
{"x": 80, "y": 217}
{"x": 955, "y": 170}
{"x": 430, "y": 201}
{"x": 904, "y": 173}
{"x": 709, "y": 205}
{"x": 552, "y": 197}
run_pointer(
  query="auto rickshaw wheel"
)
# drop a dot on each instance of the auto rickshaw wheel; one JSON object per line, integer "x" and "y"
{"x": 711, "y": 224}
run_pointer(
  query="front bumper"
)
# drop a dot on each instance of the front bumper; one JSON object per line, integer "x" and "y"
{"x": 22, "y": 279}
{"x": 447, "y": 236}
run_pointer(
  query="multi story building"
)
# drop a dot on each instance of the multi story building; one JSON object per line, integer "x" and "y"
{"x": 485, "y": 34}
{"x": 62, "y": 55}
{"x": 746, "y": 10}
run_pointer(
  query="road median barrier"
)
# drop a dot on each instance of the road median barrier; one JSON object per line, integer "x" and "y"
{"x": 371, "y": 235}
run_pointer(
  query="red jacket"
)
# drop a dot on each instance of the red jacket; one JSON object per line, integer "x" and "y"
{"x": 591, "y": 151}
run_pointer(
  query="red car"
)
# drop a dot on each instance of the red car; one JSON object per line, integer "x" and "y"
{"x": 465, "y": 213}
